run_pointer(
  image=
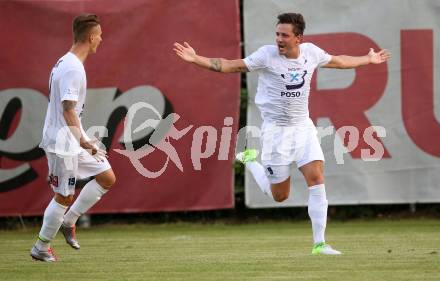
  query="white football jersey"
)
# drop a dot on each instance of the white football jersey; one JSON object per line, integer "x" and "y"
{"x": 284, "y": 84}
{"x": 67, "y": 82}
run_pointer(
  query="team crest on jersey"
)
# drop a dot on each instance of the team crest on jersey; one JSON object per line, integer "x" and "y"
{"x": 53, "y": 180}
{"x": 294, "y": 79}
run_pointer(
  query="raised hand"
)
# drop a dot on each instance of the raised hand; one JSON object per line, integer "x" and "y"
{"x": 185, "y": 52}
{"x": 379, "y": 57}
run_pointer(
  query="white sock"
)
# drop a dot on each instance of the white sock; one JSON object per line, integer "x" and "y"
{"x": 52, "y": 220}
{"x": 260, "y": 177}
{"x": 317, "y": 208}
{"x": 90, "y": 194}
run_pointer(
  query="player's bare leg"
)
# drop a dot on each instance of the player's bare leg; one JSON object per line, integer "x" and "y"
{"x": 281, "y": 191}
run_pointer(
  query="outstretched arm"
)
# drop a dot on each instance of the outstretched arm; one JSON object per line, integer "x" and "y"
{"x": 352, "y": 62}
{"x": 187, "y": 53}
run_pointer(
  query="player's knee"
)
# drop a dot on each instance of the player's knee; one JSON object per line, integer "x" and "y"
{"x": 315, "y": 178}
{"x": 64, "y": 200}
{"x": 280, "y": 196}
{"x": 106, "y": 180}
{"x": 281, "y": 191}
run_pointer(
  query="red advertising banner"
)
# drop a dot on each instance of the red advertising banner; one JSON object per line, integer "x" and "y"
{"x": 187, "y": 165}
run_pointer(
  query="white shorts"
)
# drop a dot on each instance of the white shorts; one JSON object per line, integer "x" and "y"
{"x": 64, "y": 170}
{"x": 281, "y": 146}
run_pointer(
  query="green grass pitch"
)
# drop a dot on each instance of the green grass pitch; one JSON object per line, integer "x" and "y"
{"x": 372, "y": 250}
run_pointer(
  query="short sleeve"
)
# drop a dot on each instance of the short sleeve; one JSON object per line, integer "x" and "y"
{"x": 322, "y": 57}
{"x": 256, "y": 60}
{"x": 70, "y": 85}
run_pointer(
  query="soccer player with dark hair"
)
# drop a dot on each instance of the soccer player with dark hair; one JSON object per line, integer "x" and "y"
{"x": 288, "y": 134}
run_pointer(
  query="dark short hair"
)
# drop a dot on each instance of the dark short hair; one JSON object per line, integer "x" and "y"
{"x": 295, "y": 19}
{"x": 81, "y": 26}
